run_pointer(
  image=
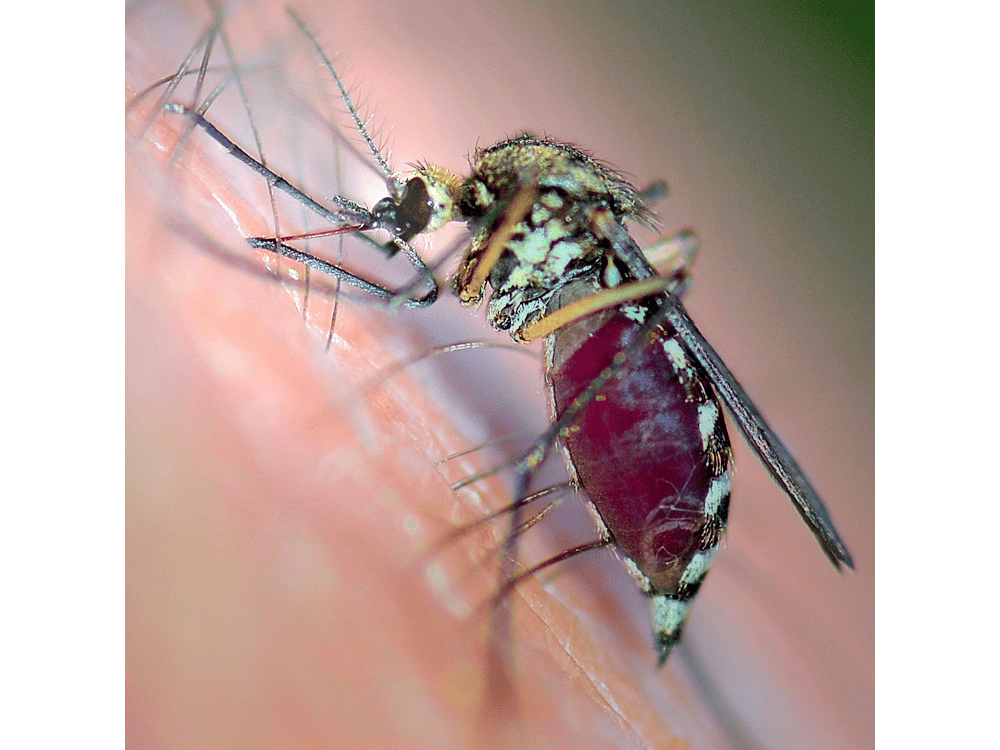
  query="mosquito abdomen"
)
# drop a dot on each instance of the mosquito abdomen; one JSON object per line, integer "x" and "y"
{"x": 651, "y": 451}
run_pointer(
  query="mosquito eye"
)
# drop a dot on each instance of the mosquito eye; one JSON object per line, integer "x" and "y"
{"x": 410, "y": 215}
{"x": 414, "y": 209}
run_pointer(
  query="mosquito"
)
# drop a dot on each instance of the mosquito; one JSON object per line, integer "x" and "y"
{"x": 637, "y": 392}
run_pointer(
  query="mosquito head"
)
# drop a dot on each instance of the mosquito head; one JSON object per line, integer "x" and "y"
{"x": 419, "y": 201}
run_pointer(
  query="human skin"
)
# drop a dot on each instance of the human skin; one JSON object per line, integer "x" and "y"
{"x": 281, "y": 502}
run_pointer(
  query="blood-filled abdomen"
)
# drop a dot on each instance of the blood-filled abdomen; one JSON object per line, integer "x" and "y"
{"x": 650, "y": 449}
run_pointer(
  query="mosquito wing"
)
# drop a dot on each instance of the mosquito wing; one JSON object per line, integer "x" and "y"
{"x": 772, "y": 452}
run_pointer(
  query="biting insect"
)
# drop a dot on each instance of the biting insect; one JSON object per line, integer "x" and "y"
{"x": 637, "y": 392}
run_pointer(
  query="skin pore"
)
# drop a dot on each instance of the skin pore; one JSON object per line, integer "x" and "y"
{"x": 281, "y": 499}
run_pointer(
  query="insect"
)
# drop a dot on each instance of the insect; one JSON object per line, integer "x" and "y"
{"x": 635, "y": 387}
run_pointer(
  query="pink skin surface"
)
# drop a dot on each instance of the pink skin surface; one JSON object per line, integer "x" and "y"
{"x": 282, "y": 499}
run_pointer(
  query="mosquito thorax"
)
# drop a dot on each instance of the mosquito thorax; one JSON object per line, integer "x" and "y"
{"x": 549, "y": 245}
{"x": 502, "y": 169}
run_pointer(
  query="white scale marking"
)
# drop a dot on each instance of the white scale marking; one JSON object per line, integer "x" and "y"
{"x": 675, "y": 353}
{"x": 633, "y": 313}
{"x": 668, "y": 614}
{"x": 644, "y": 583}
{"x": 717, "y": 490}
{"x": 698, "y": 567}
{"x": 708, "y": 415}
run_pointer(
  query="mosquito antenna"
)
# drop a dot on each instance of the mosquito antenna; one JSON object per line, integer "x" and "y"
{"x": 359, "y": 124}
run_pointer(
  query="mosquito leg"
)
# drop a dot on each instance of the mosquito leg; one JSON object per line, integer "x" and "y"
{"x": 349, "y": 212}
{"x": 461, "y": 531}
{"x": 673, "y": 256}
{"x": 512, "y": 583}
{"x": 603, "y": 300}
{"x": 318, "y": 264}
{"x": 655, "y": 192}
